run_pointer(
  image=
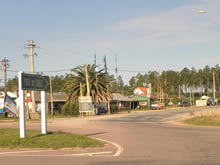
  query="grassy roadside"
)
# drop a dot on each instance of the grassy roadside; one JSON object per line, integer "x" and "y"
{"x": 9, "y": 138}
{"x": 8, "y": 120}
{"x": 212, "y": 120}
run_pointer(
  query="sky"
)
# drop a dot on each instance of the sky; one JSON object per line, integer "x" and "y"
{"x": 145, "y": 35}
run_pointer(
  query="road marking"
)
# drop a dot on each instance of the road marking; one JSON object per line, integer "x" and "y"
{"x": 119, "y": 148}
{"x": 104, "y": 153}
{"x": 17, "y": 152}
{"x": 90, "y": 154}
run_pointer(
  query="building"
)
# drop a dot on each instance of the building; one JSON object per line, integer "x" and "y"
{"x": 122, "y": 102}
{"x": 59, "y": 99}
{"x": 143, "y": 91}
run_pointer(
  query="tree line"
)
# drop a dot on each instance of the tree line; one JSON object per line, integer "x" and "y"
{"x": 173, "y": 84}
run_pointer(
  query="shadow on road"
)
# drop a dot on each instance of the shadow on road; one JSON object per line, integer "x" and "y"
{"x": 97, "y": 133}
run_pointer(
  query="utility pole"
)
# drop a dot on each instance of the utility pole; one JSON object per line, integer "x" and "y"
{"x": 158, "y": 87}
{"x": 51, "y": 96}
{"x": 116, "y": 65}
{"x": 214, "y": 84}
{"x": 95, "y": 59}
{"x": 160, "y": 92}
{"x": 5, "y": 65}
{"x": 87, "y": 80}
{"x": 106, "y": 72}
{"x": 105, "y": 65}
{"x": 31, "y": 47}
{"x": 117, "y": 76}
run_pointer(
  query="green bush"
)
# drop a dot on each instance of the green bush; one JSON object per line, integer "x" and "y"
{"x": 70, "y": 108}
{"x": 114, "y": 108}
{"x": 144, "y": 107}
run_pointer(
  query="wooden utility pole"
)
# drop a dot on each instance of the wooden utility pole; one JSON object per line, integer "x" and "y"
{"x": 109, "y": 111}
{"x": 81, "y": 94}
{"x": 51, "y": 96}
{"x": 87, "y": 80}
{"x": 31, "y": 46}
{"x": 214, "y": 84}
{"x": 160, "y": 93}
{"x": 5, "y": 65}
{"x": 190, "y": 95}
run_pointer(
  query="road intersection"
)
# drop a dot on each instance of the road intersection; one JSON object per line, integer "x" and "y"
{"x": 135, "y": 138}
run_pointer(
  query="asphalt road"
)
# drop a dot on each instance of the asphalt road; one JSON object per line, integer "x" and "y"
{"x": 147, "y": 139}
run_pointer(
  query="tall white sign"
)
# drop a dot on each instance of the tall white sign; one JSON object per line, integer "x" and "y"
{"x": 32, "y": 82}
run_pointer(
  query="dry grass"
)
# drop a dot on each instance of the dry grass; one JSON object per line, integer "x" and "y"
{"x": 210, "y": 120}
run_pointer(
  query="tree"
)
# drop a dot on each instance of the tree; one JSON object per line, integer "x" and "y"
{"x": 117, "y": 84}
{"x": 98, "y": 84}
{"x": 58, "y": 83}
{"x": 12, "y": 85}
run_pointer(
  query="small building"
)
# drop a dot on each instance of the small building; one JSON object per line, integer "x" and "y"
{"x": 59, "y": 99}
{"x": 142, "y": 100}
{"x": 123, "y": 102}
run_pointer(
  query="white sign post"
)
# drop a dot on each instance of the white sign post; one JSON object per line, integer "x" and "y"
{"x": 43, "y": 113}
{"x": 22, "y": 109}
{"x": 32, "y": 82}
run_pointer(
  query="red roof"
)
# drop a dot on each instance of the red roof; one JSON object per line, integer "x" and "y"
{"x": 143, "y": 89}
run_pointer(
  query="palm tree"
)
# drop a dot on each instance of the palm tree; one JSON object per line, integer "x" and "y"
{"x": 98, "y": 84}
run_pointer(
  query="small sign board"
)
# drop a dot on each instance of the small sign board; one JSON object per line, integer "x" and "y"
{"x": 34, "y": 82}
{"x": 85, "y": 99}
{"x": 85, "y": 103}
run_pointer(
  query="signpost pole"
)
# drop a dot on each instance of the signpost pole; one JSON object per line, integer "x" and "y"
{"x": 32, "y": 82}
{"x": 43, "y": 113}
{"x": 22, "y": 109}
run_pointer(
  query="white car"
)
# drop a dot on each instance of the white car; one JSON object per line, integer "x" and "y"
{"x": 157, "y": 105}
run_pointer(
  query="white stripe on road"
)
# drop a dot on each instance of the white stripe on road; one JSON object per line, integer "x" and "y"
{"x": 119, "y": 148}
{"x": 90, "y": 154}
{"x": 17, "y": 152}
{"x": 60, "y": 155}
{"x": 105, "y": 153}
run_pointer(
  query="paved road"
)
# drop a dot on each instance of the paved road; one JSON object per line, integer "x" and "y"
{"x": 146, "y": 138}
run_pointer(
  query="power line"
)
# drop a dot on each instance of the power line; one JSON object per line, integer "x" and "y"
{"x": 130, "y": 71}
{"x": 61, "y": 70}
{"x": 68, "y": 69}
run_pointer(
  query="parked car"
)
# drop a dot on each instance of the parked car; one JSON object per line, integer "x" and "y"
{"x": 185, "y": 104}
{"x": 157, "y": 105}
{"x": 101, "y": 109}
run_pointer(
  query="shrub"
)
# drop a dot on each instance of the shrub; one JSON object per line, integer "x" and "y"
{"x": 70, "y": 108}
{"x": 144, "y": 107}
{"x": 114, "y": 108}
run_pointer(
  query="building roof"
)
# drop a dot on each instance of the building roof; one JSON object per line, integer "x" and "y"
{"x": 140, "y": 98}
{"x": 120, "y": 97}
{"x": 143, "y": 89}
{"x": 57, "y": 97}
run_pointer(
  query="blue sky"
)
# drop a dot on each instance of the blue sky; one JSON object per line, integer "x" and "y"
{"x": 144, "y": 34}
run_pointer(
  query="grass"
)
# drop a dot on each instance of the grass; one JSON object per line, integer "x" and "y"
{"x": 6, "y": 119}
{"x": 15, "y": 119}
{"x": 212, "y": 120}
{"x": 58, "y": 116}
{"x": 10, "y": 139}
